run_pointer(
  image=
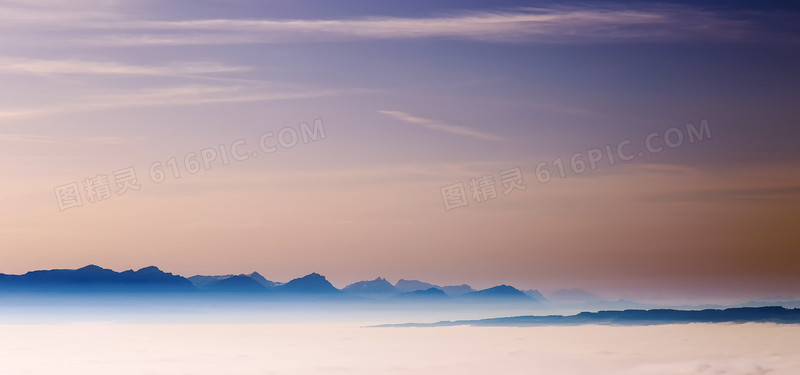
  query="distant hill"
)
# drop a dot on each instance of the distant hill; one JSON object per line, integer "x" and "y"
{"x": 237, "y": 284}
{"x": 310, "y": 284}
{"x": 499, "y": 292}
{"x": 415, "y": 285}
{"x": 375, "y": 288}
{"x": 770, "y": 314}
{"x": 788, "y": 303}
{"x": 427, "y": 294}
{"x": 457, "y": 290}
{"x": 412, "y": 285}
{"x": 96, "y": 279}
{"x": 203, "y": 282}
{"x": 262, "y": 280}
{"x": 535, "y": 294}
{"x": 573, "y": 295}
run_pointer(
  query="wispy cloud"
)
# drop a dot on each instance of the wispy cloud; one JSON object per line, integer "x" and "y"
{"x": 224, "y": 89}
{"x": 168, "y": 97}
{"x": 588, "y": 23}
{"x": 785, "y": 193}
{"x": 531, "y": 25}
{"x": 441, "y": 126}
{"x": 34, "y": 138}
{"x": 73, "y": 66}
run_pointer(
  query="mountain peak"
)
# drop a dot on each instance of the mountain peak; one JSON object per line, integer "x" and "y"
{"x": 311, "y": 283}
{"x": 150, "y": 269}
{"x": 261, "y": 279}
{"x": 500, "y": 291}
{"x": 311, "y": 276}
{"x": 93, "y": 271}
{"x": 237, "y": 284}
{"x": 535, "y": 294}
{"x": 412, "y": 285}
{"x": 426, "y": 294}
{"x": 457, "y": 290}
{"x": 91, "y": 267}
{"x": 379, "y": 286}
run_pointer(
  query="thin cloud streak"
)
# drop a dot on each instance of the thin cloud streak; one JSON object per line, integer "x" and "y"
{"x": 529, "y": 25}
{"x": 34, "y": 138}
{"x": 441, "y": 126}
{"x": 170, "y": 97}
{"x": 555, "y": 24}
{"x": 67, "y": 66}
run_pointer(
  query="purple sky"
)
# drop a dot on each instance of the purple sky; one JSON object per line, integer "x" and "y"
{"x": 413, "y": 97}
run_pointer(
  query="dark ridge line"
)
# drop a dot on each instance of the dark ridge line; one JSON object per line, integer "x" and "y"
{"x": 766, "y": 314}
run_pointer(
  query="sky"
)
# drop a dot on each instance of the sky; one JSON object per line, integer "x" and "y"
{"x": 635, "y": 149}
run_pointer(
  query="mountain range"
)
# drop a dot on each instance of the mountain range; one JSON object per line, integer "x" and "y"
{"x": 94, "y": 279}
{"x": 151, "y": 280}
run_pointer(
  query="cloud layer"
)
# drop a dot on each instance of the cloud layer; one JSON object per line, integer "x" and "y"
{"x": 609, "y": 23}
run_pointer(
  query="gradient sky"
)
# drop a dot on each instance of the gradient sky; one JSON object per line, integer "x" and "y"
{"x": 414, "y": 96}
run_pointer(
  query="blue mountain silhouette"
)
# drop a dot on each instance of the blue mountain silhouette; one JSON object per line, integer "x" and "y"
{"x": 310, "y": 284}
{"x": 414, "y": 285}
{"x": 427, "y": 294}
{"x": 93, "y": 279}
{"x": 374, "y": 288}
{"x": 204, "y": 282}
{"x": 499, "y": 292}
{"x": 768, "y": 314}
{"x": 535, "y": 294}
{"x": 457, "y": 290}
{"x": 262, "y": 280}
{"x": 237, "y": 284}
